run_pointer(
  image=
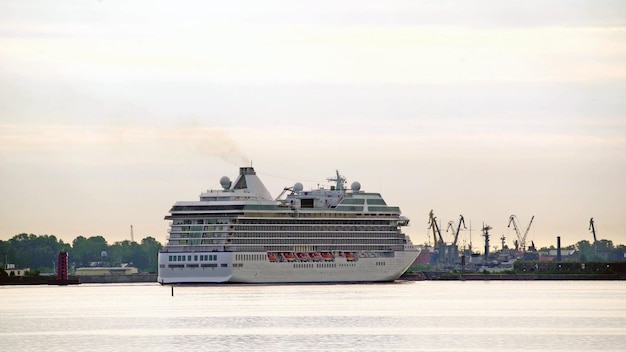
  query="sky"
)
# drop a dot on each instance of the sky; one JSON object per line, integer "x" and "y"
{"x": 111, "y": 111}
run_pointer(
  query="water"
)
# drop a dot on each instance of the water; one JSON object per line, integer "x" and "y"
{"x": 408, "y": 316}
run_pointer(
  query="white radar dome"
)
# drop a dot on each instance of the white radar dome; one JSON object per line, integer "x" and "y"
{"x": 103, "y": 254}
{"x": 297, "y": 187}
{"x": 225, "y": 182}
{"x": 355, "y": 186}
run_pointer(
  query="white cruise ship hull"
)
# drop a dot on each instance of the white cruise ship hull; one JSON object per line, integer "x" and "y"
{"x": 241, "y": 234}
{"x": 255, "y": 267}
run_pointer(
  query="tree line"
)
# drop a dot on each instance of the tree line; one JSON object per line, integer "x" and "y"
{"x": 598, "y": 251}
{"x": 40, "y": 253}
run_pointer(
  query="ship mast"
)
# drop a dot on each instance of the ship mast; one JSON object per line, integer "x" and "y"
{"x": 339, "y": 181}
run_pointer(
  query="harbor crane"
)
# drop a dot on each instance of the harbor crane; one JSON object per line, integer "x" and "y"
{"x": 452, "y": 250}
{"x": 432, "y": 224}
{"x": 592, "y": 228}
{"x": 521, "y": 239}
{"x": 458, "y": 229}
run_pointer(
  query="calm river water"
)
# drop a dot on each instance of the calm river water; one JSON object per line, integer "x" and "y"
{"x": 404, "y": 316}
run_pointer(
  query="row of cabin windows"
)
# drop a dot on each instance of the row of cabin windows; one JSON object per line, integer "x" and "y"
{"x": 300, "y": 221}
{"x": 201, "y": 257}
{"x": 325, "y": 247}
{"x": 180, "y": 266}
{"x": 269, "y": 222}
{"x": 388, "y": 212}
{"x": 370, "y": 201}
{"x": 198, "y": 221}
{"x": 305, "y": 241}
{"x": 317, "y": 235}
{"x": 197, "y": 234}
{"x": 196, "y": 228}
{"x": 360, "y": 228}
{"x": 173, "y": 240}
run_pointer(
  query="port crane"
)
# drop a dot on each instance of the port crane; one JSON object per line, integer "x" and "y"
{"x": 453, "y": 250}
{"x": 440, "y": 247}
{"x": 432, "y": 224}
{"x": 592, "y": 228}
{"x": 520, "y": 238}
{"x": 458, "y": 229}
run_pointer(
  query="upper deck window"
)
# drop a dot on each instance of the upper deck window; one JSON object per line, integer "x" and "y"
{"x": 307, "y": 203}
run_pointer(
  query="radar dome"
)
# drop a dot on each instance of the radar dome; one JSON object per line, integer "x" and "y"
{"x": 225, "y": 182}
{"x": 103, "y": 254}
{"x": 297, "y": 187}
{"x": 355, "y": 186}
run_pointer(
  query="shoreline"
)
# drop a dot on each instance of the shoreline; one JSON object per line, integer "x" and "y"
{"x": 74, "y": 280}
{"x": 447, "y": 276}
{"x": 417, "y": 276}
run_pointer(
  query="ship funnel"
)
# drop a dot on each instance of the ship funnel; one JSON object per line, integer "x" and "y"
{"x": 248, "y": 180}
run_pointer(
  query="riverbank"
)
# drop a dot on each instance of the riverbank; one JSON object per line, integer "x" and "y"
{"x": 91, "y": 279}
{"x": 37, "y": 280}
{"x": 415, "y": 276}
{"x": 448, "y": 276}
{"x": 117, "y": 279}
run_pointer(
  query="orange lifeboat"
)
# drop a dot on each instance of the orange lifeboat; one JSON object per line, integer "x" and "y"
{"x": 349, "y": 256}
{"x": 303, "y": 256}
{"x": 289, "y": 256}
{"x": 327, "y": 256}
{"x": 314, "y": 256}
{"x": 271, "y": 257}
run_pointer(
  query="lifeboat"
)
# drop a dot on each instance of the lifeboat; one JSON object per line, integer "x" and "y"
{"x": 314, "y": 256}
{"x": 289, "y": 256}
{"x": 327, "y": 256}
{"x": 271, "y": 257}
{"x": 349, "y": 256}
{"x": 303, "y": 256}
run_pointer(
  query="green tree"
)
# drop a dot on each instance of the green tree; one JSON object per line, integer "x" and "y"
{"x": 150, "y": 248}
{"x": 142, "y": 256}
{"x": 604, "y": 246}
{"x": 125, "y": 252}
{"x": 35, "y": 252}
{"x": 87, "y": 250}
{"x": 586, "y": 250}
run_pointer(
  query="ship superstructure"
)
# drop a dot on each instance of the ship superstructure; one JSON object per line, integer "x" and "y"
{"x": 241, "y": 234}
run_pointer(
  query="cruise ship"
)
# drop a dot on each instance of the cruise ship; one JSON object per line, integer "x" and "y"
{"x": 241, "y": 234}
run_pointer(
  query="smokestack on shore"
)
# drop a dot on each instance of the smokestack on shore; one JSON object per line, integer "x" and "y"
{"x": 558, "y": 248}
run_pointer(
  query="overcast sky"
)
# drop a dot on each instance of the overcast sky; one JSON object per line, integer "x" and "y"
{"x": 111, "y": 111}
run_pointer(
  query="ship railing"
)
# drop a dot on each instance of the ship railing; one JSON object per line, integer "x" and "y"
{"x": 178, "y": 249}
